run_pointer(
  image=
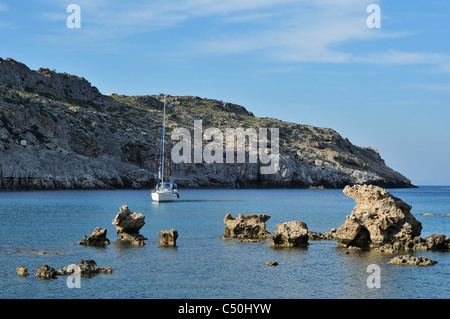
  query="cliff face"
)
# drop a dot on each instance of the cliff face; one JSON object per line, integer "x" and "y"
{"x": 57, "y": 131}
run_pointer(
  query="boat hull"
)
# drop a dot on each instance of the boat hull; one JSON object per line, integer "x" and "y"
{"x": 164, "y": 197}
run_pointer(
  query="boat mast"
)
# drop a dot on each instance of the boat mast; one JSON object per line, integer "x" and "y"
{"x": 161, "y": 160}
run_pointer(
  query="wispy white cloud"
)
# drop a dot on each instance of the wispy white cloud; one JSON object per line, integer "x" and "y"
{"x": 151, "y": 15}
{"x": 285, "y": 30}
{"x": 309, "y": 32}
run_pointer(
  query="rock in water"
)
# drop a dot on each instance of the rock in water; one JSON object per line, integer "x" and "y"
{"x": 128, "y": 225}
{"x": 106, "y": 270}
{"x": 246, "y": 227}
{"x": 409, "y": 260}
{"x": 45, "y": 272}
{"x": 322, "y": 236}
{"x": 88, "y": 267}
{"x": 22, "y": 271}
{"x": 97, "y": 238}
{"x": 85, "y": 267}
{"x": 168, "y": 237}
{"x": 290, "y": 234}
{"x": 271, "y": 263}
{"x": 377, "y": 219}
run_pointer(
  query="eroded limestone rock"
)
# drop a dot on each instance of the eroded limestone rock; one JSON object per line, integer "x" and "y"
{"x": 128, "y": 225}
{"x": 249, "y": 227}
{"x": 97, "y": 238}
{"x": 290, "y": 234}
{"x": 22, "y": 271}
{"x": 377, "y": 219}
{"x": 168, "y": 237}
{"x": 84, "y": 267}
{"x": 45, "y": 272}
{"x": 409, "y": 260}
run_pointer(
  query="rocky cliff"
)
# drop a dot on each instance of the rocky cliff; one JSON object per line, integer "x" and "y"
{"x": 57, "y": 131}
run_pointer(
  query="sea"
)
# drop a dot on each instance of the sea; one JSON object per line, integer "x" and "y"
{"x": 43, "y": 227}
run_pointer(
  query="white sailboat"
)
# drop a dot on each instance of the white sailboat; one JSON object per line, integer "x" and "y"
{"x": 164, "y": 191}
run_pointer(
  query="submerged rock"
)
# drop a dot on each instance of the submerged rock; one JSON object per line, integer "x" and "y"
{"x": 128, "y": 225}
{"x": 97, "y": 238}
{"x": 290, "y": 234}
{"x": 168, "y": 237}
{"x": 410, "y": 260}
{"x": 377, "y": 219}
{"x": 46, "y": 272}
{"x": 106, "y": 270}
{"x": 271, "y": 263}
{"x": 246, "y": 227}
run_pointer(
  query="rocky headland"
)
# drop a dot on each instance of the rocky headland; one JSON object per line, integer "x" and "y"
{"x": 57, "y": 131}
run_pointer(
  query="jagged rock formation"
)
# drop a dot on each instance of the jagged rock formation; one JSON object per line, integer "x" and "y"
{"x": 249, "y": 227}
{"x": 290, "y": 234}
{"x": 377, "y": 219}
{"x": 97, "y": 238}
{"x": 57, "y": 131}
{"x": 383, "y": 222}
{"x": 128, "y": 225}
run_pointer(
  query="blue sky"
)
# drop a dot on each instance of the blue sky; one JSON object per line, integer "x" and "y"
{"x": 312, "y": 62}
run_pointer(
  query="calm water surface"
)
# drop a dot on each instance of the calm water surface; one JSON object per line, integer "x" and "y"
{"x": 204, "y": 266}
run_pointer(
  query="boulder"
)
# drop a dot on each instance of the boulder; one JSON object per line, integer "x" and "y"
{"x": 290, "y": 234}
{"x": 97, "y": 238}
{"x": 168, "y": 237}
{"x": 45, "y": 272}
{"x": 409, "y": 260}
{"x": 377, "y": 219}
{"x": 22, "y": 271}
{"x": 248, "y": 227}
{"x": 128, "y": 225}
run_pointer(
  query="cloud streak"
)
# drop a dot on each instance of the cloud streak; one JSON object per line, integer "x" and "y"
{"x": 291, "y": 31}
{"x": 440, "y": 62}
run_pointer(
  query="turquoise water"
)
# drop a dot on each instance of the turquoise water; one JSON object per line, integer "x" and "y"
{"x": 204, "y": 266}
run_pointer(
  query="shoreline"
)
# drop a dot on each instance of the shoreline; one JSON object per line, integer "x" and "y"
{"x": 199, "y": 188}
